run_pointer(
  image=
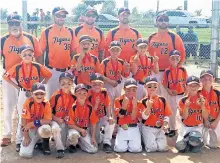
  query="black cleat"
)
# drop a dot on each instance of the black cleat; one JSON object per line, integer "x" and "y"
{"x": 107, "y": 148}
{"x": 60, "y": 154}
{"x": 18, "y": 146}
{"x": 72, "y": 149}
{"x": 46, "y": 146}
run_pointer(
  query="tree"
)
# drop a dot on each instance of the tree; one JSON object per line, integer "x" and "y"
{"x": 149, "y": 14}
{"x": 198, "y": 12}
{"x": 79, "y": 10}
{"x": 93, "y": 2}
{"x": 3, "y": 13}
{"x": 109, "y": 7}
{"x": 135, "y": 13}
{"x": 179, "y": 8}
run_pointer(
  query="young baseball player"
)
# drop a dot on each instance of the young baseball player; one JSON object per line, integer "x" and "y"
{"x": 142, "y": 66}
{"x": 212, "y": 96}
{"x": 82, "y": 123}
{"x": 155, "y": 115}
{"x": 174, "y": 81}
{"x": 25, "y": 74}
{"x": 194, "y": 110}
{"x": 98, "y": 97}
{"x": 127, "y": 112}
{"x": 84, "y": 64}
{"x": 36, "y": 117}
{"x": 61, "y": 102}
{"x": 114, "y": 69}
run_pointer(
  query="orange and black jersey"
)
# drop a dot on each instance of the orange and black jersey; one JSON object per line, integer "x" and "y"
{"x": 61, "y": 103}
{"x": 213, "y": 101}
{"x": 27, "y": 74}
{"x": 58, "y": 45}
{"x": 97, "y": 35}
{"x": 175, "y": 79}
{"x": 113, "y": 71}
{"x": 127, "y": 37}
{"x": 104, "y": 101}
{"x": 10, "y": 48}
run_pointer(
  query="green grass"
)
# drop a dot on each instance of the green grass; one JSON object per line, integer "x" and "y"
{"x": 204, "y": 34}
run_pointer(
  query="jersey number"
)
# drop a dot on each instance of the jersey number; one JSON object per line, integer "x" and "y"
{"x": 66, "y": 46}
{"x": 164, "y": 51}
{"x": 199, "y": 118}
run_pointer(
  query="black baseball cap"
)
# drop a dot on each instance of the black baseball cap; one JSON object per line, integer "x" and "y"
{"x": 174, "y": 53}
{"x": 150, "y": 80}
{"x": 38, "y": 87}
{"x": 163, "y": 15}
{"x": 81, "y": 86}
{"x": 114, "y": 44}
{"x": 91, "y": 10}
{"x": 96, "y": 77}
{"x": 14, "y": 18}
{"x": 66, "y": 75}
{"x": 59, "y": 9}
{"x": 206, "y": 72}
{"x": 85, "y": 38}
{"x": 141, "y": 41}
{"x": 192, "y": 80}
{"x": 130, "y": 83}
{"x": 25, "y": 47}
{"x": 122, "y": 10}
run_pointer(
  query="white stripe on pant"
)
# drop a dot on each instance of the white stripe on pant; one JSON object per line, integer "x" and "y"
{"x": 35, "y": 135}
{"x": 212, "y": 137}
{"x": 128, "y": 140}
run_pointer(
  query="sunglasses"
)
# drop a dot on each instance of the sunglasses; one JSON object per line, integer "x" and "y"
{"x": 39, "y": 94}
{"x": 14, "y": 24}
{"x": 60, "y": 16}
{"x": 91, "y": 16}
{"x": 27, "y": 55}
{"x": 163, "y": 20}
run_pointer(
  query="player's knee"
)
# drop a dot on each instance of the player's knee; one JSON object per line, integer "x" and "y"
{"x": 135, "y": 148}
{"x": 73, "y": 139}
{"x": 150, "y": 146}
{"x": 120, "y": 149}
{"x": 92, "y": 149}
{"x": 56, "y": 130}
{"x": 162, "y": 146}
{"x": 25, "y": 153}
{"x": 45, "y": 131}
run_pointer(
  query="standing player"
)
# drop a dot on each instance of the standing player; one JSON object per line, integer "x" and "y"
{"x": 10, "y": 44}
{"x": 126, "y": 35}
{"x": 174, "y": 81}
{"x": 89, "y": 28}
{"x": 84, "y": 64}
{"x": 57, "y": 43}
{"x": 25, "y": 74}
{"x": 61, "y": 102}
{"x": 142, "y": 66}
{"x": 161, "y": 44}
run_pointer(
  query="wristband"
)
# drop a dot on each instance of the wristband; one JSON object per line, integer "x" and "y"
{"x": 37, "y": 123}
{"x": 122, "y": 112}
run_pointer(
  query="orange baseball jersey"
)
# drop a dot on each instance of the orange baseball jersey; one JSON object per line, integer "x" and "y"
{"x": 213, "y": 101}
{"x": 10, "y": 48}
{"x": 145, "y": 67}
{"x": 127, "y": 118}
{"x": 32, "y": 110}
{"x": 27, "y": 74}
{"x": 82, "y": 116}
{"x": 175, "y": 79}
{"x": 160, "y": 109}
{"x": 162, "y": 44}
{"x": 127, "y": 37}
{"x": 90, "y": 65}
{"x": 104, "y": 101}
{"x": 97, "y": 35}
{"x": 112, "y": 70}
{"x": 195, "y": 112}
{"x": 58, "y": 45}
{"x": 61, "y": 103}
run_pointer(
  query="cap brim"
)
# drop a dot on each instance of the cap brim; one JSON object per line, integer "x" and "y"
{"x": 81, "y": 89}
{"x": 193, "y": 82}
{"x": 141, "y": 44}
{"x": 14, "y": 20}
{"x": 124, "y": 12}
{"x": 115, "y": 47}
{"x": 27, "y": 49}
{"x": 61, "y": 11}
{"x": 206, "y": 74}
{"x": 151, "y": 82}
{"x": 132, "y": 85}
{"x": 100, "y": 81}
{"x": 39, "y": 91}
{"x": 85, "y": 40}
{"x": 66, "y": 78}
{"x": 175, "y": 55}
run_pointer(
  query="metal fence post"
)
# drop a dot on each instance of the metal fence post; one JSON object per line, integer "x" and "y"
{"x": 214, "y": 36}
{"x": 24, "y": 14}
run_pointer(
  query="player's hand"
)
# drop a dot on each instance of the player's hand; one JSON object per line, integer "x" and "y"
{"x": 169, "y": 91}
{"x": 59, "y": 120}
{"x": 207, "y": 124}
{"x": 174, "y": 92}
{"x": 93, "y": 141}
{"x": 83, "y": 132}
{"x": 125, "y": 102}
{"x": 111, "y": 121}
{"x": 26, "y": 141}
{"x": 97, "y": 101}
{"x": 187, "y": 103}
{"x": 149, "y": 103}
{"x": 165, "y": 125}
{"x": 214, "y": 124}
{"x": 136, "y": 58}
{"x": 201, "y": 101}
{"x": 155, "y": 59}
{"x": 134, "y": 102}
{"x": 27, "y": 127}
{"x": 127, "y": 65}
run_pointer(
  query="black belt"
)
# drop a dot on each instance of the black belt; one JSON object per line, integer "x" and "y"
{"x": 153, "y": 126}
{"x": 119, "y": 81}
{"x": 191, "y": 126}
{"x": 85, "y": 128}
{"x": 142, "y": 83}
{"x": 161, "y": 70}
{"x": 59, "y": 69}
{"x": 130, "y": 125}
{"x": 22, "y": 89}
{"x": 181, "y": 93}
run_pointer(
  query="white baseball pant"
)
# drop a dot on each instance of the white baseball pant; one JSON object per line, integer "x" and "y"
{"x": 59, "y": 134}
{"x": 128, "y": 140}
{"x": 154, "y": 139}
{"x": 212, "y": 137}
{"x": 141, "y": 91}
{"x": 10, "y": 99}
{"x": 35, "y": 135}
{"x": 173, "y": 102}
{"x": 108, "y": 129}
{"x": 84, "y": 142}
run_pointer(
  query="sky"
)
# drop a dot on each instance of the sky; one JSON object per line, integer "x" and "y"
{"x": 142, "y": 5}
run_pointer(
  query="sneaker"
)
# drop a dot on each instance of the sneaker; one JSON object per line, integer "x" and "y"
{"x": 5, "y": 142}
{"x": 72, "y": 149}
{"x": 46, "y": 147}
{"x": 172, "y": 133}
{"x": 18, "y": 146}
{"x": 60, "y": 154}
{"x": 38, "y": 146}
{"x": 107, "y": 148}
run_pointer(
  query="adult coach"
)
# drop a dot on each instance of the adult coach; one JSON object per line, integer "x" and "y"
{"x": 89, "y": 28}
{"x": 10, "y": 45}
{"x": 161, "y": 43}
{"x": 126, "y": 35}
{"x": 57, "y": 43}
